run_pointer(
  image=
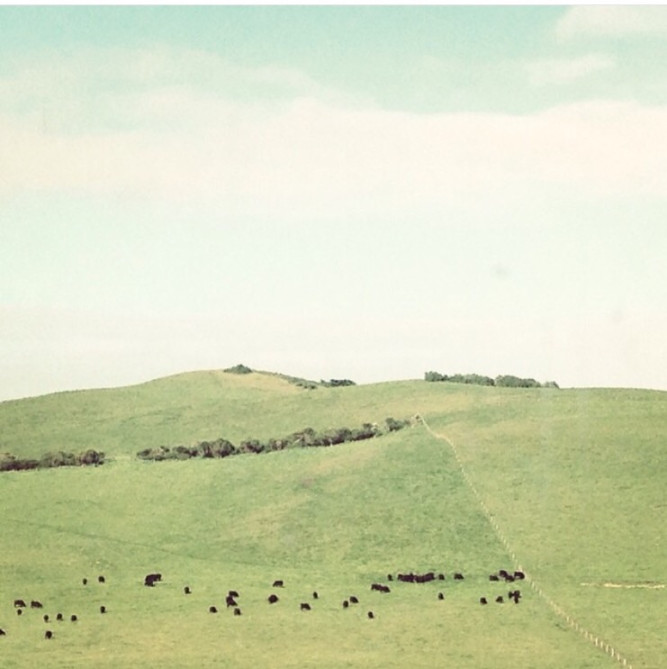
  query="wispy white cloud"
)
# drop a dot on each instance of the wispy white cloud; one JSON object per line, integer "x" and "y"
{"x": 567, "y": 70}
{"x": 174, "y": 138}
{"x": 612, "y": 21}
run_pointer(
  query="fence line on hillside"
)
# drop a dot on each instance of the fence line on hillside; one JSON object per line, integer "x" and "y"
{"x": 600, "y": 644}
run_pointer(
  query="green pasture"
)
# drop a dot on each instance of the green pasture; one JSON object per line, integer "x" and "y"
{"x": 574, "y": 480}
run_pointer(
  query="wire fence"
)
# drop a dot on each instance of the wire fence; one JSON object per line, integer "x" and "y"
{"x": 558, "y": 610}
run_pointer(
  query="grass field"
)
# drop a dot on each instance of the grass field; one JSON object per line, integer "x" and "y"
{"x": 574, "y": 481}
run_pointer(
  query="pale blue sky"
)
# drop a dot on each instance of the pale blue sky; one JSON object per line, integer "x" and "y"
{"x": 360, "y": 192}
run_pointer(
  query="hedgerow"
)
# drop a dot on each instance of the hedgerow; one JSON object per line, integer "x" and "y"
{"x": 306, "y": 438}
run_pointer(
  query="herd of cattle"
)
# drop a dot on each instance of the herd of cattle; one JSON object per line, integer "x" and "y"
{"x": 232, "y": 597}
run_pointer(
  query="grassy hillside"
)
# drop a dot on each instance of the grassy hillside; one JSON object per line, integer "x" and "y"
{"x": 574, "y": 480}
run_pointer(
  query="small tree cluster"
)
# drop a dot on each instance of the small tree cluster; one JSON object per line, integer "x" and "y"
{"x": 238, "y": 369}
{"x": 472, "y": 379}
{"x": 306, "y": 438}
{"x": 9, "y": 462}
{"x": 336, "y": 383}
{"x": 502, "y": 381}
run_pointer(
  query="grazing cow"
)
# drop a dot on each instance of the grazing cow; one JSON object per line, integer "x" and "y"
{"x": 212, "y": 609}
{"x": 73, "y": 618}
{"x": 346, "y": 604}
{"x": 406, "y": 578}
{"x": 371, "y": 615}
{"x": 19, "y": 603}
{"x": 380, "y": 588}
{"x": 187, "y": 590}
{"x": 493, "y": 577}
{"x": 85, "y": 581}
{"x": 278, "y": 584}
{"x": 46, "y": 617}
{"x": 515, "y": 595}
{"x": 315, "y": 595}
{"x": 499, "y": 599}
{"x": 34, "y": 604}
{"x": 482, "y": 600}
{"x": 230, "y": 601}
{"x": 237, "y": 611}
{"x": 441, "y": 577}
{"x": 390, "y": 577}
{"x": 59, "y": 616}
{"x": 48, "y": 634}
{"x": 101, "y": 579}
{"x": 354, "y": 600}
{"x": 233, "y": 593}
{"x": 103, "y": 609}
{"x": 273, "y": 599}
{"x": 509, "y": 578}
{"x": 2, "y": 632}
{"x": 151, "y": 579}
{"x": 503, "y": 573}
{"x": 458, "y": 576}
{"x": 519, "y": 575}
{"x": 440, "y": 596}
{"x": 305, "y": 606}
{"x": 19, "y": 612}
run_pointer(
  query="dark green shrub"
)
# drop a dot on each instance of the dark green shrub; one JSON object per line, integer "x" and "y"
{"x": 238, "y": 369}
{"x": 91, "y": 457}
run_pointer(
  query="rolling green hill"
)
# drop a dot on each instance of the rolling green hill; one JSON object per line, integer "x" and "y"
{"x": 567, "y": 485}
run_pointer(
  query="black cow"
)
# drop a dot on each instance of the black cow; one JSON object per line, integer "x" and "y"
{"x": 230, "y": 601}
{"x": 519, "y": 575}
{"x": 151, "y": 579}
{"x": 59, "y": 616}
{"x": 48, "y": 634}
{"x": 390, "y": 577}
{"x": 187, "y": 590}
{"x": 85, "y": 581}
{"x": 482, "y": 600}
{"x": 233, "y": 593}
{"x": 380, "y": 588}
{"x": 305, "y": 606}
{"x": 46, "y": 617}
{"x": 273, "y": 599}
{"x": 440, "y": 596}
{"x": 19, "y": 612}
{"x": 371, "y": 615}
{"x": 103, "y": 609}
{"x": 237, "y": 611}
{"x": 346, "y": 604}
{"x": 354, "y": 600}
{"x": 499, "y": 599}
{"x": 101, "y": 579}
{"x": 73, "y": 618}
{"x": 503, "y": 573}
{"x": 34, "y": 604}
{"x": 406, "y": 578}
{"x": 2, "y": 632}
{"x": 441, "y": 577}
{"x": 458, "y": 576}
{"x": 212, "y": 609}
{"x": 493, "y": 577}
{"x": 315, "y": 595}
{"x": 278, "y": 584}
{"x": 19, "y": 603}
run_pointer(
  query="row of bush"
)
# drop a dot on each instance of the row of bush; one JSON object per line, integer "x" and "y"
{"x": 503, "y": 381}
{"x": 222, "y": 448}
{"x": 9, "y": 462}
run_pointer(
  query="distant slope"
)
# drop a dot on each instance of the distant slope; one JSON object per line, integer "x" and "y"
{"x": 190, "y": 407}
